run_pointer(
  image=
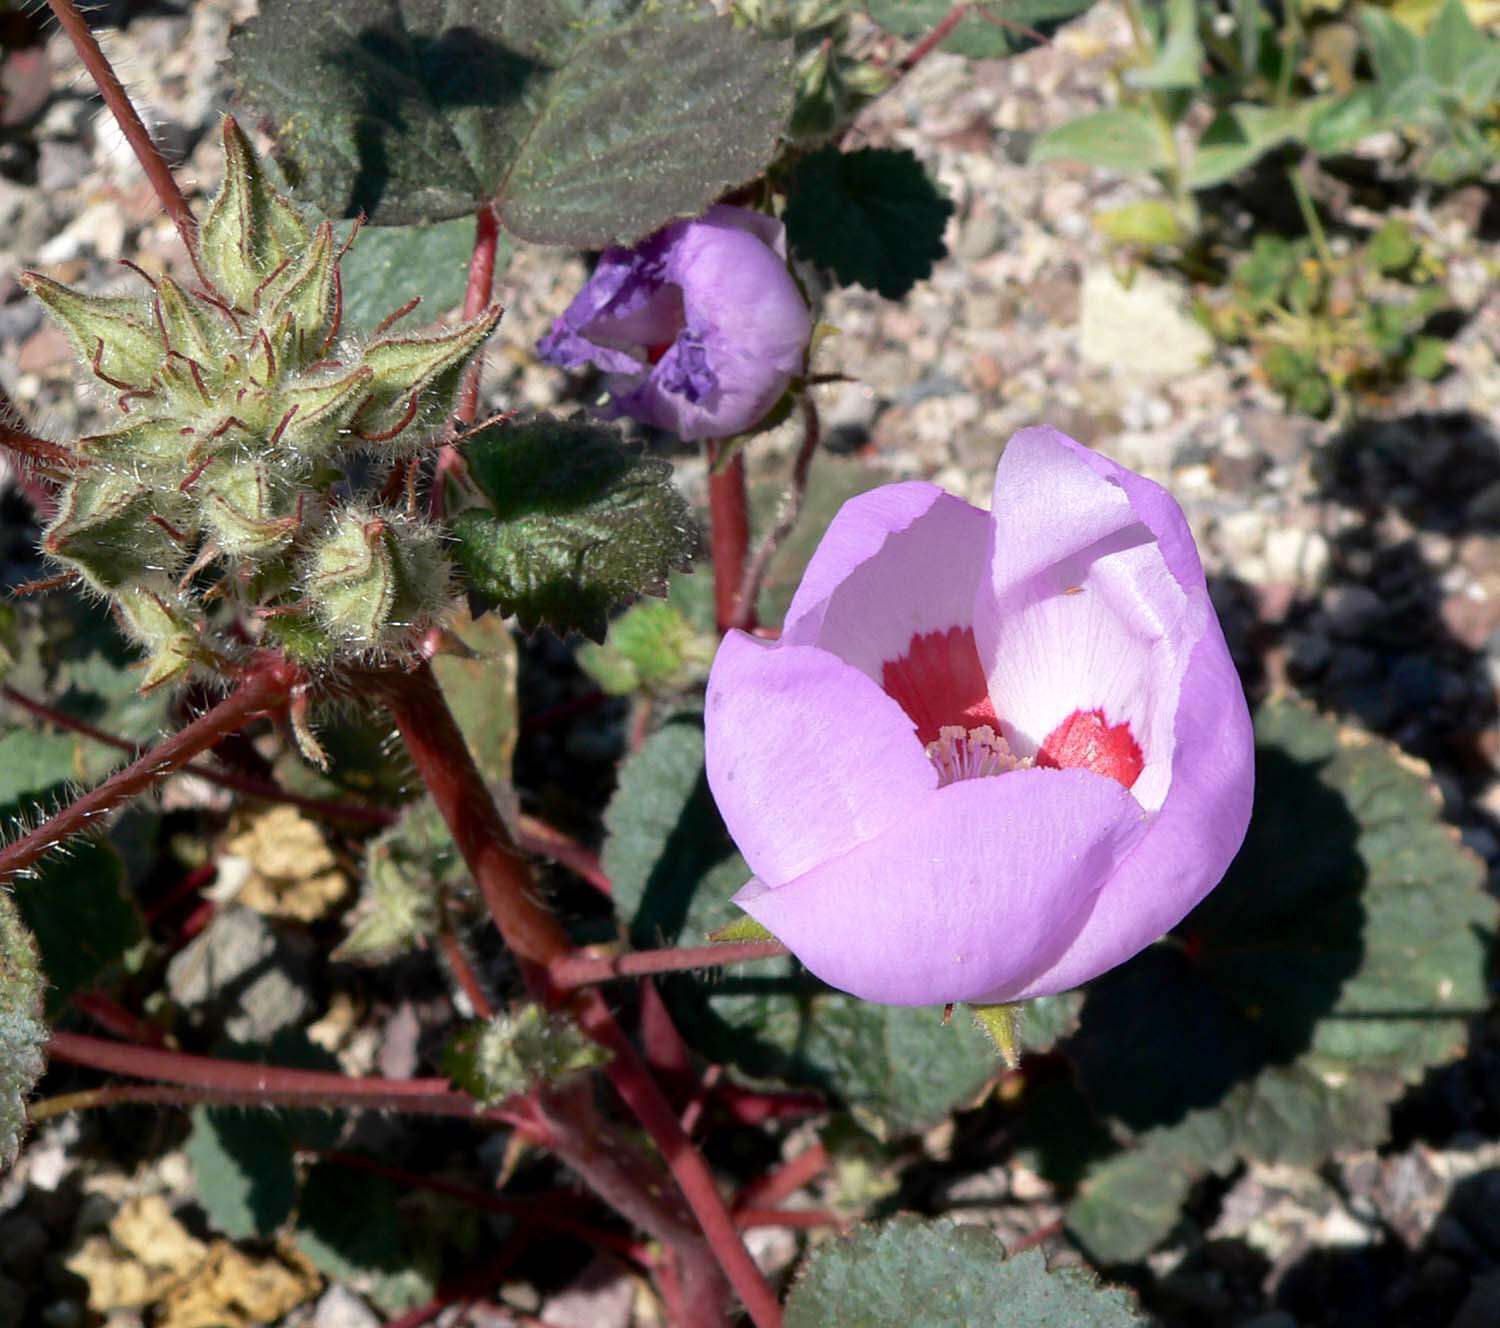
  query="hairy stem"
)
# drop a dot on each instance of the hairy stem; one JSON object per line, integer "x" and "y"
{"x": 581, "y": 970}
{"x": 476, "y": 299}
{"x": 760, "y": 563}
{"x": 184, "y": 1078}
{"x": 266, "y": 687}
{"x": 729, "y": 536}
{"x": 505, "y": 881}
{"x": 136, "y": 133}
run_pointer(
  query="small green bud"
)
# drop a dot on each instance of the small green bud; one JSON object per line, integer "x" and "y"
{"x": 512, "y": 1053}
{"x": 250, "y": 229}
{"x": 374, "y": 579}
{"x": 406, "y": 369}
{"x": 103, "y": 528}
{"x": 163, "y": 622}
{"x": 249, "y": 510}
{"x": 1002, "y": 1025}
{"x": 115, "y": 336}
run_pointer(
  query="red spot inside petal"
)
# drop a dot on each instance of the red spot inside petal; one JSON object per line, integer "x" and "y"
{"x": 1085, "y": 741}
{"x": 939, "y": 681}
{"x": 654, "y": 353}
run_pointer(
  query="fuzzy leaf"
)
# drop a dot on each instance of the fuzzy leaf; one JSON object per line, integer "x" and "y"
{"x": 22, "y": 1033}
{"x": 113, "y": 334}
{"x": 347, "y": 1222}
{"x": 580, "y": 522}
{"x": 588, "y": 121}
{"x": 407, "y": 870}
{"x": 651, "y": 645}
{"x": 674, "y": 868}
{"x": 401, "y": 368}
{"x": 873, "y": 217}
{"x": 911, "y": 1273}
{"x": 1340, "y": 959}
{"x": 387, "y": 266}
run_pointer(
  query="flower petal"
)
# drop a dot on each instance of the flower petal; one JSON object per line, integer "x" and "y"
{"x": 1191, "y": 840}
{"x": 1085, "y": 614}
{"x": 981, "y": 885}
{"x": 895, "y": 563}
{"x": 806, "y": 757}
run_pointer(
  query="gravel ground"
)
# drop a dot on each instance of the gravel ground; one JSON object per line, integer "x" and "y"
{"x": 1357, "y": 563}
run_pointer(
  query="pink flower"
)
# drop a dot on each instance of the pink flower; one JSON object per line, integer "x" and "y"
{"x": 700, "y": 327}
{"x": 993, "y": 754}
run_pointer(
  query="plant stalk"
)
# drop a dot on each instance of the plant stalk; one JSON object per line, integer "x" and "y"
{"x": 581, "y": 970}
{"x": 265, "y": 688}
{"x": 136, "y": 133}
{"x": 729, "y": 537}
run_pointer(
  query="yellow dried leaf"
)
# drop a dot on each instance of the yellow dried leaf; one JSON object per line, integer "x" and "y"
{"x": 288, "y": 869}
{"x": 232, "y": 1290}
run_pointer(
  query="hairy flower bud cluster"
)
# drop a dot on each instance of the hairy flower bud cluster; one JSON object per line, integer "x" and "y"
{"x": 212, "y": 501}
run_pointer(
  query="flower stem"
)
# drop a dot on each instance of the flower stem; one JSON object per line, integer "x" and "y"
{"x": 184, "y": 1078}
{"x": 136, "y": 133}
{"x": 266, "y": 687}
{"x": 729, "y": 537}
{"x": 476, "y": 299}
{"x": 505, "y": 881}
{"x": 760, "y": 563}
{"x": 770, "y": 1190}
{"x": 262, "y": 789}
{"x": 580, "y": 970}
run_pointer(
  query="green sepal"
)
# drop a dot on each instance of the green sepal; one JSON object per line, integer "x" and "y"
{"x": 352, "y": 578}
{"x": 164, "y": 624}
{"x": 510, "y": 1054}
{"x": 250, "y": 229}
{"x": 189, "y": 325}
{"x": 323, "y": 409}
{"x": 1002, "y": 1025}
{"x": 113, "y": 336}
{"x": 741, "y": 929}
{"x": 151, "y": 442}
{"x": 405, "y": 367}
{"x": 304, "y": 299}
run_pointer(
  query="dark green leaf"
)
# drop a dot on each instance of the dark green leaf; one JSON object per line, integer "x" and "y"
{"x": 580, "y": 522}
{"x": 242, "y": 1161}
{"x": 911, "y": 1273}
{"x": 976, "y": 36}
{"x": 1124, "y": 138}
{"x": 347, "y": 1222}
{"x": 80, "y": 914}
{"x": 22, "y": 1033}
{"x": 873, "y": 217}
{"x": 674, "y": 869}
{"x": 588, "y": 121}
{"x": 387, "y": 266}
{"x": 1339, "y": 960}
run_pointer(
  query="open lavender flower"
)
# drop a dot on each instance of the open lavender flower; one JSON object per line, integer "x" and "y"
{"x": 700, "y": 327}
{"x": 992, "y": 754}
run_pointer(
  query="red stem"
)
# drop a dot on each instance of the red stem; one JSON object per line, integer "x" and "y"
{"x": 241, "y": 1082}
{"x": 800, "y": 1218}
{"x": 262, "y": 789}
{"x": 785, "y": 1181}
{"x": 476, "y": 299}
{"x": 265, "y": 688}
{"x": 759, "y": 563}
{"x": 582, "y": 970}
{"x": 505, "y": 881}
{"x": 729, "y": 536}
{"x": 114, "y": 1018}
{"x": 463, "y": 972}
{"x": 136, "y": 134}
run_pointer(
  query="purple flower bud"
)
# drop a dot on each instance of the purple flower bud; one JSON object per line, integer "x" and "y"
{"x": 992, "y": 754}
{"x": 700, "y": 327}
